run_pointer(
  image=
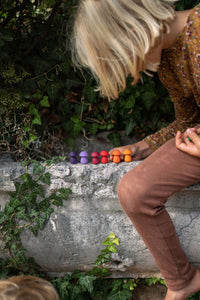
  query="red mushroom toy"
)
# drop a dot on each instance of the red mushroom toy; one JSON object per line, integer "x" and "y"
{"x": 95, "y": 157}
{"x": 104, "y": 158}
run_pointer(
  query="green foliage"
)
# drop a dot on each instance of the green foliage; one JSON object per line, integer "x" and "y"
{"x": 153, "y": 280}
{"x": 37, "y": 83}
{"x": 94, "y": 284}
{"x": 110, "y": 243}
{"x": 37, "y": 79}
{"x": 185, "y": 4}
{"x": 194, "y": 297}
{"x": 28, "y": 209}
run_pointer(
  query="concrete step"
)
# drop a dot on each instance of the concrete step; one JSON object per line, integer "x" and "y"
{"x": 72, "y": 237}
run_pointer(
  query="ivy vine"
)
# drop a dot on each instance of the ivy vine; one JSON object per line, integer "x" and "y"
{"x": 28, "y": 209}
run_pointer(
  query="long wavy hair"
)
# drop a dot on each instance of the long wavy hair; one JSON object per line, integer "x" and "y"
{"x": 112, "y": 38}
{"x": 25, "y": 287}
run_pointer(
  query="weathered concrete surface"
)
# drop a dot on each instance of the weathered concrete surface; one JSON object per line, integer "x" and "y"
{"x": 72, "y": 237}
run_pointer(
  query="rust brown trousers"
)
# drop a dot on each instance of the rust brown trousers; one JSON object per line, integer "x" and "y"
{"x": 143, "y": 192}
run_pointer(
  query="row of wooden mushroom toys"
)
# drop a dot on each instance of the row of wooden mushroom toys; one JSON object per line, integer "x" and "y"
{"x": 100, "y": 157}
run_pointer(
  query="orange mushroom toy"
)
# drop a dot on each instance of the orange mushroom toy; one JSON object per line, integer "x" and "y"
{"x": 127, "y": 155}
{"x": 116, "y": 156}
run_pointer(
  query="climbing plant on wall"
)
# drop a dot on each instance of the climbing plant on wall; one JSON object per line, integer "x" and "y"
{"x": 43, "y": 100}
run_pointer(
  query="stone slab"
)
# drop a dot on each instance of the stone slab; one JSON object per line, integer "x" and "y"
{"x": 72, "y": 237}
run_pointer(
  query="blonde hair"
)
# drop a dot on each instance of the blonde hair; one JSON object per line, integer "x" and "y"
{"x": 112, "y": 37}
{"x": 27, "y": 288}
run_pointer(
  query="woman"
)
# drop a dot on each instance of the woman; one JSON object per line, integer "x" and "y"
{"x": 114, "y": 38}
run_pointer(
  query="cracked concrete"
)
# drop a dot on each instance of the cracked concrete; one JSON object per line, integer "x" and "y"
{"x": 72, "y": 238}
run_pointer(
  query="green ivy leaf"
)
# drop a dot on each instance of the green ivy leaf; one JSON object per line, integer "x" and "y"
{"x": 46, "y": 178}
{"x": 48, "y": 213}
{"x": 7, "y": 238}
{"x": 18, "y": 189}
{"x": 43, "y": 205}
{"x": 101, "y": 259}
{"x": 64, "y": 192}
{"x": 63, "y": 292}
{"x": 88, "y": 282}
{"x": 22, "y": 215}
{"x": 115, "y": 241}
{"x": 45, "y": 102}
{"x": 112, "y": 249}
{"x": 57, "y": 201}
{"x": 9, "y": 209}
{"x": 114, "y": 137}
{"x": 99, "y": 272}
{"x": 37, "y": 120}
{"x": 107, "y": 242}
{"x": 33, "y": 110}
{"x": 29, "y": 198}
{"x": 76, "y": 126}
{"x": 93, "y": 128}
{"x": 38, "y": 168}
{"x": 34, "y": 229}
{"x": 26, "y": 178}
{"x": 25, "y": 144}
{"x": 37, "y": 95}
{"x": 38, "y": 189}
{"x": 33, "y": 213}
{"x": 70, "y": 143}
{"x": 76, "y": 291}
{"x": 90, "y": 93}
{"x": 120, "y": 295}
{"x": 130, "y": 126}
{"x": 3, "y": 217}
{"x": 130, "y": 103}
{"x": 148, "y": 99}
{"x": 26, "y": 127}
{"x": 32, "y": 138}
{"x": 41, "y": 221}
{"x": 55, "y": 160}
{"x": 111, "y": 235}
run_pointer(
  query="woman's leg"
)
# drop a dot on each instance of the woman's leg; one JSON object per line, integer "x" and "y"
{"x": 143, "y": 192}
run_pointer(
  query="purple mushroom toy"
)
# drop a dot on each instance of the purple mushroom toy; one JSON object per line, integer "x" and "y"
{"x": 73, "y": 157}
{"x": 83, "y": 155}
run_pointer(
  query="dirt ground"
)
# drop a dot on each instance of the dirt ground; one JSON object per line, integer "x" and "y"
{"x": 155, "y": 292}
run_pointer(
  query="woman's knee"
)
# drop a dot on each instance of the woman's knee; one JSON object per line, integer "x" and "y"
{"x": 132, "y": 193}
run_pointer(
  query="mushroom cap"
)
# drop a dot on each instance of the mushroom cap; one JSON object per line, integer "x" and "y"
{"x": 73, "y": 153}
{"x": 83, "y": 154}
{"x": 127, "y": 151}
{"x": 104, "y": 153}
{"x": 95, "y": 154}
{"x": 116, "y": 152}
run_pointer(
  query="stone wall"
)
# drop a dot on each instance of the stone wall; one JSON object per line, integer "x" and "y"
{"x": 72, "y": 237}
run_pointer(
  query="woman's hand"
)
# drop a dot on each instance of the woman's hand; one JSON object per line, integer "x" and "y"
{"x": 139, "y": 150}
{"x": 189, "y": 141}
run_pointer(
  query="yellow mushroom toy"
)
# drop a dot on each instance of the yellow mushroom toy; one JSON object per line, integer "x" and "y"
{"x": 127, "y": 155}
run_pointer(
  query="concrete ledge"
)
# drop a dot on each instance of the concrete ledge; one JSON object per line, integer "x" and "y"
{"x": 72, "y": 238}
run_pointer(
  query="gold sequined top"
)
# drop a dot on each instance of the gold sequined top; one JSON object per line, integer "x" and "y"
{"x": 179, "y": 71}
